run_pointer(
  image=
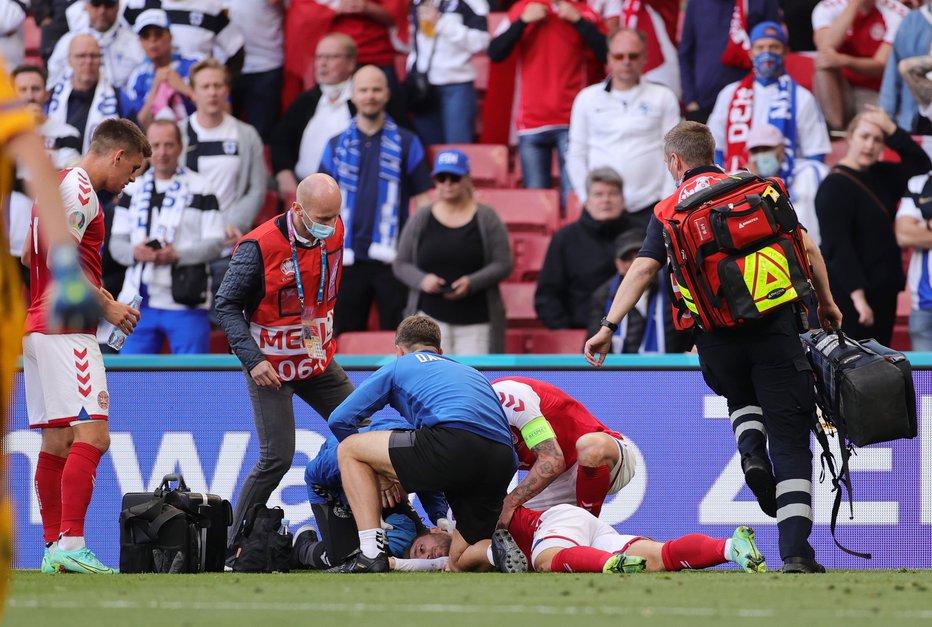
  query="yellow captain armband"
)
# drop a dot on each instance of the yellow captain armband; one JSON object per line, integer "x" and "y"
{"x": 537, "y": 431}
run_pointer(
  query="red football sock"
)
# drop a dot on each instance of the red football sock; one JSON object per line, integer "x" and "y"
{"x": 77, "y": 486}
{"x": 579, "y": 559}
{"x": 693, "y": 551}
{"x": 592, "y": 486}
{"x": 48, "y": 489}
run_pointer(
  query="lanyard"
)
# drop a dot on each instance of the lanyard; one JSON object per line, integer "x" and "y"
{"x": 297, "y": 269}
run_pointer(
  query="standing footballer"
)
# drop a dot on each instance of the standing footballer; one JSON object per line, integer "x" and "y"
{"x": 66, "y": 386}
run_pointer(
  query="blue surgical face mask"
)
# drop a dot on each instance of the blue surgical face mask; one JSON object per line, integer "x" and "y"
{"x": 768, "y": 66}
{"x": 317, "y": 231}
{"x": 767, "y": 163}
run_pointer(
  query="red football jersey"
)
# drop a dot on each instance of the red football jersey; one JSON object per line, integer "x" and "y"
{"x": 522, "y": 527}
{"x": 86, "y": 224}
{"x": 527, "y": 399}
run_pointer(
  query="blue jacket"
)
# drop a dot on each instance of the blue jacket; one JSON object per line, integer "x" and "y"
{"x": 913, "y": 39}
{"x": 428, "y": 390}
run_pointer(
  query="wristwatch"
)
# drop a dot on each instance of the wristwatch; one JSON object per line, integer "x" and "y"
{"x": 605, "y": 322}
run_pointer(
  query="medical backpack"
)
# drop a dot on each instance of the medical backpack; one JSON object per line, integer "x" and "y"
{"x": 736, "y": 253}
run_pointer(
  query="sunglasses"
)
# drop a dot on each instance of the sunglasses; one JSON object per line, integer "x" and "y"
{"x": 443, "y": 177}
{"x": 103, "y": 3}
{"x": 621, "y": 56}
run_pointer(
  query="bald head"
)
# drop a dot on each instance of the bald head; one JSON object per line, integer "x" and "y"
{"x": 370, "y": 92}
{"x": 318, "y": 200}
{"x": 84, "y": 59}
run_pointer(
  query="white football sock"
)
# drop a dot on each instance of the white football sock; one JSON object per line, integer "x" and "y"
{"x": 488, "y": 555}
{"x": 70, "y": 543}
{"x": 372, "y": 542}
{"x": 728, "y": 555}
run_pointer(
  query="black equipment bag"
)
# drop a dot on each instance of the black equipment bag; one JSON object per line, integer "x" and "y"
{"x": 865, "y": 390}
{"x": 260, "y": 547}
{"x": 173, "y": 530}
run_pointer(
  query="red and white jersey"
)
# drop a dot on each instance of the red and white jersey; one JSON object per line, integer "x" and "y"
{"x": 522, "y": 527}
{"x": 525, "y": 400}
{"x": 86, "y": 224}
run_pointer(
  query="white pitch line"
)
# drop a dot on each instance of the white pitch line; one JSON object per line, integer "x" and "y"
{"x": 446, "y": 608}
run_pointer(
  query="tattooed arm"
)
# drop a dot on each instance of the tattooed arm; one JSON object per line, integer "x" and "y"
{"x": 549, "y": 464}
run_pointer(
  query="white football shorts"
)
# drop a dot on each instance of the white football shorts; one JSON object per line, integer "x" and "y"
{"x": 566, "y": 526}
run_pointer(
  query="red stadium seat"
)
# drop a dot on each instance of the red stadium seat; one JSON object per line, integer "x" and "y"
{"x": 218, "y": 342}
{"x": 573, "y": 209}
{"x": 801, "y": 68}
{"x": 519, "y": 304}
{"x": 271, "y": 207}
{"x": 514, "y": 341}
{"x": 536, "y": 210}
{"x": 528, "y": 251}
{"x": 366, "y": 343}
{"x": 488, "y": 163}
{"x": 554, "y": 341}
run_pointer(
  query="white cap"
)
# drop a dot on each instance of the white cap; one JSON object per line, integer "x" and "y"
{"x": 151, "y": 17}
{"x": 764, "y": 136}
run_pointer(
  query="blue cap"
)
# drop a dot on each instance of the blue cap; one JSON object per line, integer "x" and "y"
{"x": 768, "y": 30}
{"x": 451, "y": 161}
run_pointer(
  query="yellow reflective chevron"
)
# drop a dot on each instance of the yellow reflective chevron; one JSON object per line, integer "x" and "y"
{"x": 767, "y": 276}
{"x": 687, "y": 298}
{"x": 771, "y": 193}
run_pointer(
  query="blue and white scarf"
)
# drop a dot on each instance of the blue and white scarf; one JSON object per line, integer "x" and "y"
{"x": 653, "y": 305}
{"x": 782, "y": 114}
{"x": 346, "y": 164}
{"x": 103, "y": 106}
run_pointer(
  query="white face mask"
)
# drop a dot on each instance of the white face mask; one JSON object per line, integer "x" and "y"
{"x": 766, "y": 163}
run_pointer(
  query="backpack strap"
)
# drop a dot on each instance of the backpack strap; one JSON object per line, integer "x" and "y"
{"x": 723, "y": 186}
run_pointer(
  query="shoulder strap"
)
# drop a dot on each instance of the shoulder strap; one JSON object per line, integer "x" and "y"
{"x": 723, "y": 186}
{"x": 864, "y": 187}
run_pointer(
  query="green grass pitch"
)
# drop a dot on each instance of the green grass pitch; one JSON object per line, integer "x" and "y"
{"x": 850, "y": 598}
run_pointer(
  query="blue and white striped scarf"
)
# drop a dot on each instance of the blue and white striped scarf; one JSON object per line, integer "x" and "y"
{"x": 346, "y": 161}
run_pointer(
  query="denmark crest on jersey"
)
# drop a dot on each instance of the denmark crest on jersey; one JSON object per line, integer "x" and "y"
{"x": 229, "y": 148}
{"x": 197, "y": 18}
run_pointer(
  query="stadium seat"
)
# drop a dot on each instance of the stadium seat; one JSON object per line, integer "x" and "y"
{"x": 218, "y": 342}
{"x": 271, "y": 207}
{"x": 366, "y": 343}
{"x": 488, "y": 163}
{"x": 536, "y": 210}
{"x": 519, "y": 304}
{"x": 801, "y": 68}
{"x": 573, "y": 209}
{"x": 514, "y": 341}
{"x": 528, "y": 251}
{"x": 554, "y": 341}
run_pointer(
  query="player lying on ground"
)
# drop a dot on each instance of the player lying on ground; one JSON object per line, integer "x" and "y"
{"x": 568, "y": 539}
{"x": 570, "y": 456}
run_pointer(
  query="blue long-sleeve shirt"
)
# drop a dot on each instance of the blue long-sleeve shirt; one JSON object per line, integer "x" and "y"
{"x": 913, "y": 39}
{"x": 324, "y": 482}
{"x": 428, "y": 390}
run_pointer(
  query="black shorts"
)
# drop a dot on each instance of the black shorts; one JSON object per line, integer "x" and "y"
{"x": 472, "y": 471}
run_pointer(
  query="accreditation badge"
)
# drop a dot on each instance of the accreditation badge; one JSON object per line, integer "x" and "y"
{"x": 312, "y": 335}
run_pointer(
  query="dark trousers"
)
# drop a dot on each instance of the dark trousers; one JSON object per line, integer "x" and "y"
{"x": 883, "y": 302}
{"x": 273, "y": 412}
{"x": 257, "y": 99}
{"x": 767, "y": 380}
{"x": 361, "y": 284}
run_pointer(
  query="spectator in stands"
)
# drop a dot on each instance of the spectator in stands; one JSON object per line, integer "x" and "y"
{"x": 316, "y": 115}
{"x": 621, "y": 123}
{"x": 380, "y": 168}
{"x": 85, "y": 98}
{"x": 913, "y": 229}
{"x": 159, "y": 87}
{"x": 649, "y": 327}
{"x": 897, "y": 94}
{"x": 767, "y": 96}
{"x": 225, "y": 151}
{"x": 452, "y": 255}
{"x": 119, "y": 46}
{"x": 446, "y": 36}
{"x": 166, "y": 229}
{"x": 853, "y": 39}
{"x": 766, "y": 154}
{"x": 915, "y": 72}
{"x": 856, "y": 205}
{"x": 257, "y": 91}
{"x": 581, "y": 255}
{"x": 62, "y": 142}
{"x": 707, "y": 26}
{"x": 12, "y": 17}
{"x": 50, "y": 16}
{"x": 200, "y": 29}
{"x": 658, "y": 20}
{"x": 553, "y": 44}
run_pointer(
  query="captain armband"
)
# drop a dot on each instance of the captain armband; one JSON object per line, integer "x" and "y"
{"x": 537, "y": 431}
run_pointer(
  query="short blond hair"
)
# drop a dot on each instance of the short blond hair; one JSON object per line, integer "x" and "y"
{"x": 209, "y": 63}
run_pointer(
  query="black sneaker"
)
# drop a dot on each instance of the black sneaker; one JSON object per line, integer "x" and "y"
{"x": 303, "y": 536}
{"x": 759, "y": 477}
{"x": 359, "y": 563}
{"x": 508, "y": 557}
{"x": 802, "y": 565}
